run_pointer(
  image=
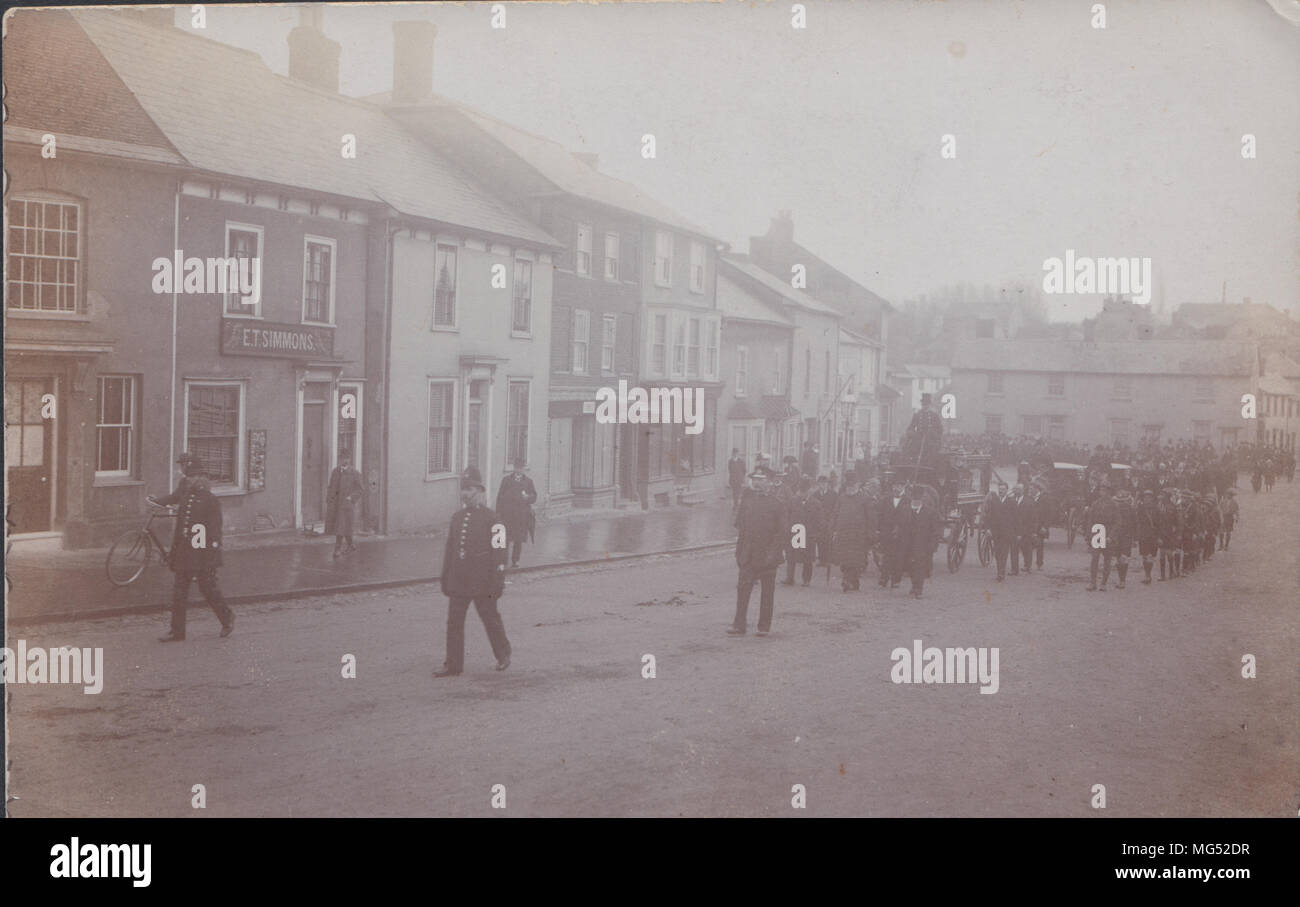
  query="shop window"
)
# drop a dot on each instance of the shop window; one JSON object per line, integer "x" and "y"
{"x": 214, "y": 429}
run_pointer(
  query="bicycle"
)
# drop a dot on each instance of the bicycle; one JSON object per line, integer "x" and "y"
{"x": 130, "y": 552}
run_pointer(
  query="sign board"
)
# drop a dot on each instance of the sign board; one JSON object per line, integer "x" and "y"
{"x": 246, "y": 337}
{"x": 256, "y": 459}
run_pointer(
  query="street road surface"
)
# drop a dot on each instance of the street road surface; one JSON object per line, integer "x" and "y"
{"x": 1138, "y": 690}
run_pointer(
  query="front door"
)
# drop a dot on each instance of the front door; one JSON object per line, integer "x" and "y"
{"x": 315, "y": 452}
{"x": 29, "y": 448}
{"x": 474, "y": 427}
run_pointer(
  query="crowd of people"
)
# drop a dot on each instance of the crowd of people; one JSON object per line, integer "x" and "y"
{"x": 1171, "y": 504}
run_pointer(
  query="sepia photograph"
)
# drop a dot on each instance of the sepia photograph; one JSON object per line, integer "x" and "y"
{"x": 878, "y": 409}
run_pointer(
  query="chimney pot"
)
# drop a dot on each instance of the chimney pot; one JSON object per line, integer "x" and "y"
{"x": 413, "y": 60}
{"x": 313, "y": 58}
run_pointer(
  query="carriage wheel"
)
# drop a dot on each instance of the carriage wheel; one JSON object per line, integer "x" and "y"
{"x": 956, "y": 552}
{"x": 985, "y": 547}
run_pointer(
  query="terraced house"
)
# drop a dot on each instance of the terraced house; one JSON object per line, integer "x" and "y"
{"x": 374, "y": 328}
{"x": 634, "y": 300}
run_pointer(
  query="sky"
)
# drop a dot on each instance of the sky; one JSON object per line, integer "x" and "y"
{"x": 1123, "y": 141}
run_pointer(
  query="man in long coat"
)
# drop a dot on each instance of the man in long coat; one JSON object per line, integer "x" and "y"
{"x": 918, "y": 538}
{"x": 345, "y": 491}
{"x": 1026, "y": 529}
{"x": 1102, "y": 512}
{"x": 889, "y": 513}
{"x": 473, "y": 570}
{"x": 515, "y": 500}
{"x": 1230, "y": 509}
{"x": 1124, "y": 538}
{"x": 823, "y": 501}
{"x": 736, "y": 477}
{"x": 763, "y": 533}
{"x": 852, "y": 529}
{"x": 1000, "y": 518}
{"x": 1147, "y": 525}
{"x": 196, "y": 555}
{"x": 801, "y": 512}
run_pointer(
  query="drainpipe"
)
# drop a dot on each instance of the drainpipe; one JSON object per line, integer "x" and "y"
{"x": 171, "y": 428}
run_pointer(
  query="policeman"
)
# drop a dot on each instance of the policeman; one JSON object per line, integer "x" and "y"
{"x": 473, "y": 569}
{"x": 762, "y": 537}
{"x": 196, "y": 555}
{"x": 800, "y": 512}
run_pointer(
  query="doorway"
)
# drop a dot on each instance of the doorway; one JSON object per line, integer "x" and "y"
{"x": 29, "y": 450}
{"x": 314, "y": 452}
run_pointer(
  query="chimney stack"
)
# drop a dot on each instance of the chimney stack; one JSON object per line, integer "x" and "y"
{"x": 590, "y": 158}
{"x": 782, "y": 228}
{"x": 313, "y": 58}
{"x": 413, "y": 61}
{"x": 159, "y": 17}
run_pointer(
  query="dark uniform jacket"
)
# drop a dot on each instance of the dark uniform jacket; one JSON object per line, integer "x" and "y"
{"x": 515, "y": 504}
{"x": 763, "y": 532}
{"x": 1000, "y": 517}
{"x": 1147, "y": 518}
{"x": 1106, "y": 512}
{"x": 853, "y": 529}
{"x": 471, "y": 567}
{"x": 1125, "y": 532}
{"x": 918, "y": 535}
{"x": 1026, "y": 518}
{"x": 196, "y": 508}
{"x": 1169, "y": 526}
{"x": 889, "y": 517}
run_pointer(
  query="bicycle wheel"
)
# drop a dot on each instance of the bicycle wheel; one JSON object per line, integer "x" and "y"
{"x": 128, "y": 557}
{"x": 985, "y": 547}
{"x": 956, "y": 553}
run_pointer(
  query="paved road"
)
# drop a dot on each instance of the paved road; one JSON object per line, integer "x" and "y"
{"x": 1139, "y": 690}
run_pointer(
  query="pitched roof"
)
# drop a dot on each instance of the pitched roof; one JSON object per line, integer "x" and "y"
{"x": 89, "y": 101}
{"x": 917, "y": 370}
{"x": 226, "y": 112}
{"x": 1132, "y": 357}
{"x": 789, "y": 294}
{"x": 734, "y": 301}
{"x": 563, "y": 170}
{"x": 847, "y": 336}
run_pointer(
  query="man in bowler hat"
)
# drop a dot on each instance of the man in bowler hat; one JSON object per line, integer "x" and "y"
{"x": 515, "y": 500}
{"x": 473, "y": 570}
{"x": 763, "y": 533}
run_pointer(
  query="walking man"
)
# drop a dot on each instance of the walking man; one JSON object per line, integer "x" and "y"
{"x": 473, "y": 570}
{"x": 800, "y": 512}
{"x": 196, "y": 555}
{"x": 1230, "y": 515}
{"x": 1026, "y": 529}
{"x": 515, "y": 500}
{"x": 823, "y": 501}
{"x": 1127, "y": 527}
{"x": 1169, "y": 530}
{"x": 851, "y": 534}
{"x": 1041, "y": 519}
{"x": 341, "y": 504}
{"x": 918, "y": 539}
{"x": 762, "y": 526}
{"x": 1103, "y": 513}
{"x": 1146, "y": 522}
{"x": 736, "y": 477}
{"x": 1000, "y": 516}
{"x": 892, "y": 510}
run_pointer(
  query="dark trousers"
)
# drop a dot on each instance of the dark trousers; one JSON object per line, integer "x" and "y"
{"x": 1105, "y": 556}
{"x": 1001, "y": 548}
{"x": 735, "y": 495}
{"x": 516, "y": 544}
{"x": 766, "y": 580}
{"x": 850, "y": 577}
{"x": 486, "y": 606}
{"x": 1038, "y": 550}
{"x": 891, "y": 571}
{"x": 207, "y": 580}
{"x": 802, "y": 556}
{"x": 822, "y": 542}
{"x": 1026, "y": 544}
{"x": 921, "y": 566}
